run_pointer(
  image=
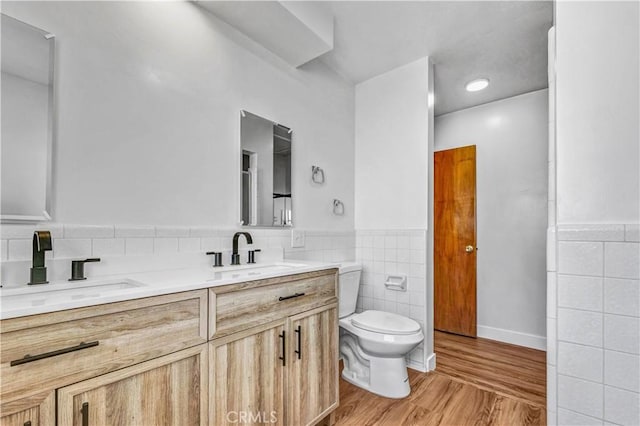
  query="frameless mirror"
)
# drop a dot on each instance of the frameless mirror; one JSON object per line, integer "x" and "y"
{"x": 27, "y": 121}
{"x": 266, "y": 172}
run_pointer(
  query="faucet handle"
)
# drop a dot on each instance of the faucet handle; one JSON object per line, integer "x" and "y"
{"x": 77, "y": 268}
{"x": 217, "y": 258}
{"x": 252, "y": 255}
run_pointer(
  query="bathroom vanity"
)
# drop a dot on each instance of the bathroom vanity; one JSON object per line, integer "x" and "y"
{"x": 232, "y": 351}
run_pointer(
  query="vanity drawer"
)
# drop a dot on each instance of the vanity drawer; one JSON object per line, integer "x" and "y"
{"x": 69, "y": 346}
{"x": 241, "y": 306}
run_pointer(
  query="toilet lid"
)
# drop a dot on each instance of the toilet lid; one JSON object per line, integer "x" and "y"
{"x": 385, "y": 322}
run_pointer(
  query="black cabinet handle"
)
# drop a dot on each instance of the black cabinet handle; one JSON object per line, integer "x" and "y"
{"x": 299, "y": 332}
{"x": 280, "y": 299}
{"x": 284, "y": 348}
{"x": 85, "y": 414}
{"x": 27, "y": 423}
{"x": 29, "y": 358}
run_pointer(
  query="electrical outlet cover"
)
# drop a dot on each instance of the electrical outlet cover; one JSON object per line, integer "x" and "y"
{"x": 297, "y": 238}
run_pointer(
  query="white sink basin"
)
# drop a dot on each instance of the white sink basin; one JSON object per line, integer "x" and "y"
{"x": 50, "y": 294}
{"x": 253, "y": 271}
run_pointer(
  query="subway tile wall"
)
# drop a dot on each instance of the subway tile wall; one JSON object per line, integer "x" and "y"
{"x": 73, "y": 241}
{"x": 594, "y": 362}
{"x": 384, "y": 252}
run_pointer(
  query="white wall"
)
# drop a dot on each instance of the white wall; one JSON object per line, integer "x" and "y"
{"x": 511, "y": 213}
{"x": 391, "y": 134}
{"x": 148, "y": 100}
{"x": 594, "y": 254}
{"x": 394, "y": 125}
{"x": 597, "y": 112}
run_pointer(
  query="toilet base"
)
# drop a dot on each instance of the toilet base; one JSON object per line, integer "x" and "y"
{"x": 387, "y": 377}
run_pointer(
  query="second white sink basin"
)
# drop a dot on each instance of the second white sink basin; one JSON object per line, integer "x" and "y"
{"x": 250, "y": 272}
{"x": 49, "y": 294}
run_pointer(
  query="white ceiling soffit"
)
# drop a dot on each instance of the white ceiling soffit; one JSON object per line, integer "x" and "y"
{"x": 504, "y": 41}
{"x": 295, "y": 31}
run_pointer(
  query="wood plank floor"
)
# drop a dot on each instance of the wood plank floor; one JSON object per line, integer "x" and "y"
{"x": 476, "y": 382}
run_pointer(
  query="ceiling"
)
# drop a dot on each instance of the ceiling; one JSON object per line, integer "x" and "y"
{"x": 504, "y": 41}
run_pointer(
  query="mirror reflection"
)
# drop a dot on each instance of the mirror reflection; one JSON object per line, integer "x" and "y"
{"x": 27, "y": 116}
{"x": 266, "y": 172}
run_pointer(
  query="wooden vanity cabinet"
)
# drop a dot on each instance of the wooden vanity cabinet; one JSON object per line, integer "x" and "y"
{"x": 247, "y": 376}
{"x": 312, "y": 380}
{"x": 129, "y": 341}
{"x": 271, "y": 358}
{"x": 38, "y": 410}
{"x": 170, "y": 390}
{"x": 276, "y": 361}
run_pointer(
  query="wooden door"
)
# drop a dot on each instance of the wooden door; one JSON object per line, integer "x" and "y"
{"x": 170, "y": 390}
{"x": 38, "y": 410}
{"x": 455, "y": 240}
{"x": 247, "y": 376}
{"x": 312, "y": 376}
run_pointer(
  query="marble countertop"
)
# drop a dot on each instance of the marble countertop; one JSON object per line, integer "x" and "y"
{"x": 62, "y": 295}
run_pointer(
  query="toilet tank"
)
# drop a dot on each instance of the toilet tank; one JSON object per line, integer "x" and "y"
{"x": 348, "y": 286}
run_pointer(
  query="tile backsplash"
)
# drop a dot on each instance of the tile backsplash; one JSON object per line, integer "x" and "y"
{"x": 117, "y": 241}
{"x": 594, "y": 363}
{"x": 384, "y": 252}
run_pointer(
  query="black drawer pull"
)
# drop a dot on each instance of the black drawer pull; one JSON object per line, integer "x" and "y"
{"x": 30, "y": 358}
{"x": 299, "y": 332}
{"x": 27, "y": 423}
{"x": 85, "y": 414}
{"x": 290, "y": 297}
{"x": 284, "y": 349}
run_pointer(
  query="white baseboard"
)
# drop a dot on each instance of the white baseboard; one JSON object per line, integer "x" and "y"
{"x": 513, "y": 337}
{"x": 431, "y": 362}
{"x": 416, "y": 366}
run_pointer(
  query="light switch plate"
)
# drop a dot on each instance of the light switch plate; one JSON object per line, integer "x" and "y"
{"x": 297, "y": 238}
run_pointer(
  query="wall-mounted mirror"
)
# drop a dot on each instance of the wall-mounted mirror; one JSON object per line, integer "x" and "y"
{"x": 266, "y": 172}
{"x": 27, "y": 121}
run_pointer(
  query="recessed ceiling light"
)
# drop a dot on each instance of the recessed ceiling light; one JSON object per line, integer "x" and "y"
{"x": 478, "y": 84}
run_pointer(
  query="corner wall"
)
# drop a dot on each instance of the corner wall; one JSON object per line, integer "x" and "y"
{"x": 394, "y": 130}
{"x": 594, "y": 254}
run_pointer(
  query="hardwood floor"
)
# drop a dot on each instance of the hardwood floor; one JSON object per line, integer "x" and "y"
{"x": 476, "y": 382}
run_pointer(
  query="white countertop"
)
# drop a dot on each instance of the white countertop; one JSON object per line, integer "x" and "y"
{"x": 62, "y": 295}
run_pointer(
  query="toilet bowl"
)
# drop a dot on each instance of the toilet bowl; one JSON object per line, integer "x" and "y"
{"x": 373, "y": 344}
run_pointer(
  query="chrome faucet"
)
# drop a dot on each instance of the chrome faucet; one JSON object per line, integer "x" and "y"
{"x": 41, "y": 244}
{"x": 235, "y": 257}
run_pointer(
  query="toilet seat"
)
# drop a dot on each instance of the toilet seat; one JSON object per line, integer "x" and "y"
{"x": 385, "y": 322}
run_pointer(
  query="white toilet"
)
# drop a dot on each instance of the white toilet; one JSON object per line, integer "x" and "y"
{"x": 373, "y": 344}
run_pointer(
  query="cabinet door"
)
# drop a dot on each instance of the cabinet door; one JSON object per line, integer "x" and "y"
{"x": 313, "y": 373}
{"x": 38, "y": 410}
{"x": 247, "y": 376}
{"x": 170, "y": 390}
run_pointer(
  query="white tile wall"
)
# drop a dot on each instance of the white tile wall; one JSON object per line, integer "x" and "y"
{"x": 579, "y": 292}
{"x": 622, "y": 260}
{"x": 567, "y": 417}
{"x": 383, "y": 252}
{"x": 108, "y": 247}
{"x": 622, "y": 296}
{"x": 597, "y": 304}
{"x": 77, "y": 241}
{"x": 584, "y": 362}
{"x": 581, "y": 396}
{"x": 621, "y": 407}
{"x": 622, "y": 370}
{"x": 580, "y": 257}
